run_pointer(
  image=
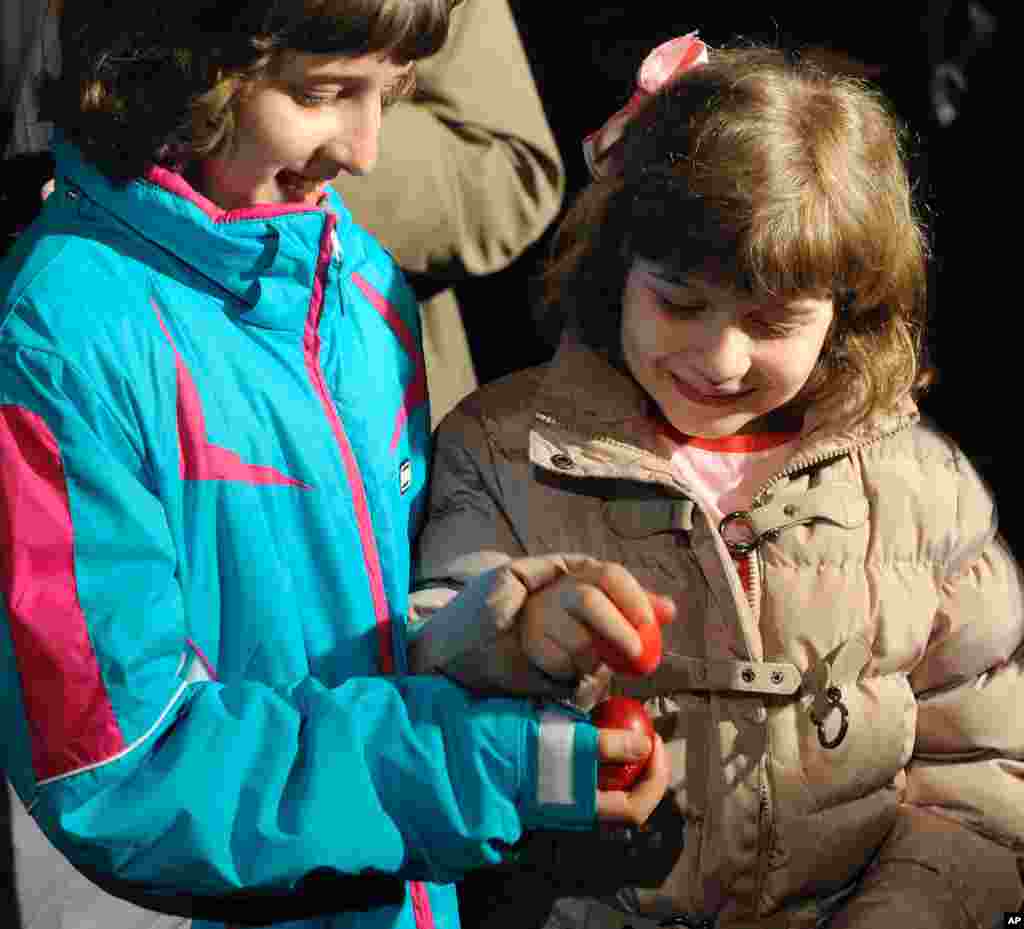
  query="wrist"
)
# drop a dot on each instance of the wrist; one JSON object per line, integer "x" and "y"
{"x": 561, "y": 783}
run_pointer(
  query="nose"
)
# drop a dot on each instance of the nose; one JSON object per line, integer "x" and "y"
{"x": 355, "y": 143}
{"x": 721, "y": 353}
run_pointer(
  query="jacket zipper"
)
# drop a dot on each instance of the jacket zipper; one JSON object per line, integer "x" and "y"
{"x": 765, "y": 825}
{"x": 357, "y": 488}
{"x": 764, "y": 811}
{"x": 803, "y": 464}
{"x": 753, "y": 558}
{"x": 418, "y": 896}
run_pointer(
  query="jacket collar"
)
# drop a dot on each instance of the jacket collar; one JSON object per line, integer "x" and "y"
{"x": 265, "y": 256}
{"x": 583, "y": 396}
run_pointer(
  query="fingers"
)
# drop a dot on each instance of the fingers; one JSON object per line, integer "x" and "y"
{"x": 618, "y": 584}
{"x": 621, "y": 745}
{"x": 574, "y": 601}
{"x": 553, "y": 636}
{"x": 610, "y": 612}
{"x": 621, "y": 588}
{"x": 561, "y": 622}
{"x": 635, "y": 805}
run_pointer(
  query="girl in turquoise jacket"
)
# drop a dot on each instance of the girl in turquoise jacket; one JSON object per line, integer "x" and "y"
{"x": 213, "y": 456}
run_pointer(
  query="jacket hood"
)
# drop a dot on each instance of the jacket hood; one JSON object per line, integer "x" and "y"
{"x": 265, "y": 256}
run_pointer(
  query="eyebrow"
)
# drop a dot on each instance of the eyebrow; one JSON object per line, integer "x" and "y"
{"x": 777, "y": 307}
{"x": 790, "y": 310}
{"x": 323, "y": 75}
{"x": 670, "y": 275}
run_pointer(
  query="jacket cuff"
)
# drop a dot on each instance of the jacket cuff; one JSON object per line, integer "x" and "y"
{"x": 561, "y": 782}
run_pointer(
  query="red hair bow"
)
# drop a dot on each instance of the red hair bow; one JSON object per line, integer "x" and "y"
{"x": 662, "y": 65}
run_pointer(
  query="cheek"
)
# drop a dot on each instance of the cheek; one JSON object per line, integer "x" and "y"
{"x": 645, "y": 332}
{"x": 793, "y": 364}
{"x": 272, "y": 133}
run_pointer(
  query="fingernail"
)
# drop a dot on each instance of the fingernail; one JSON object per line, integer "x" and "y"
{"x": 668, "y": 605}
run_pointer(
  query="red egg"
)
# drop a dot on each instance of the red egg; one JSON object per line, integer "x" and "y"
{"x": 645, "y": 662}
{"x": 622, "y": 713}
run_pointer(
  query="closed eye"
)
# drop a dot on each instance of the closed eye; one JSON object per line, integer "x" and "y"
{"x": 677, "y": 306}
{"x": 774, "y": 328}
{"x": 312, "y": 101}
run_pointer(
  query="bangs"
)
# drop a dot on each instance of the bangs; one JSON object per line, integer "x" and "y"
{"x": 406, "y": 29}
{"x": 799, "y": 242}
{"x": 788, "y": 180}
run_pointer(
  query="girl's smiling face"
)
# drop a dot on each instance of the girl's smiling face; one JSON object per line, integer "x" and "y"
{"x": 296, "y": 130}
{"x": 715, "y": 360}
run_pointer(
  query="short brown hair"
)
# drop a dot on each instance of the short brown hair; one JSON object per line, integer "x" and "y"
{"x": 787, "y": 179}
{"x": 143, "y": 86}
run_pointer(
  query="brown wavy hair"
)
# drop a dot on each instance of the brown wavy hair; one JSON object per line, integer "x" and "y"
{"x": 142, "y": 86}
{"x": 788, "y": 181}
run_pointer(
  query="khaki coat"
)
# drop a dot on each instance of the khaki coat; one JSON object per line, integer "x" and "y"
{"x": 469, "y": 176}
{"x": 845, "y": 739}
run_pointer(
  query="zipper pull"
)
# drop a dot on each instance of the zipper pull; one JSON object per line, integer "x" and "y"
{"x": 738, "y": 532}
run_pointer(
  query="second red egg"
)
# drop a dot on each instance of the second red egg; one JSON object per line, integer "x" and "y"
{"x": 622, "y": 713}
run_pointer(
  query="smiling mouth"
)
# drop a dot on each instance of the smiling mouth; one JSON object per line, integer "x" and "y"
{"x": 695, "y": 396}
{"x": 300, "y": 189}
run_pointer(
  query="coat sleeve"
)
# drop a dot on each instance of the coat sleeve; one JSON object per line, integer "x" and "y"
{"x": 140, "y": 767}
{"x": 472, "y": 543}
{"x": 952, "y": 859}
{"x": 469, "y": 173}
{"x": 468, "y": 544}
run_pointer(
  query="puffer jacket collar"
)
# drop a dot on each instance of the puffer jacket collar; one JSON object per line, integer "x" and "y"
{"x": 265, "y": 256}
{"x": 607, "y": 430}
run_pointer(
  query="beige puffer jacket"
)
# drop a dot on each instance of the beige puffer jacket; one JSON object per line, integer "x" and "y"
{"x": 854, "y": 724}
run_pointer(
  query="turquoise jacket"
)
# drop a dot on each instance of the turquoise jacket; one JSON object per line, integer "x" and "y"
{"x": 214, "y": 440}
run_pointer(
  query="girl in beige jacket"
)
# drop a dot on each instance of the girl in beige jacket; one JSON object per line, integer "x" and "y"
{"x": 732, "y": 418}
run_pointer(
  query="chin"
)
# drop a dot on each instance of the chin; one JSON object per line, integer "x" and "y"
{"x": 708, "y": 427}
{"x": 717, "y": 433}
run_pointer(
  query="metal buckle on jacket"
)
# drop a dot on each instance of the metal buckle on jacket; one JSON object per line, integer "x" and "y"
{"x": 834, "y": 698}
{"x": 742, "y": 546}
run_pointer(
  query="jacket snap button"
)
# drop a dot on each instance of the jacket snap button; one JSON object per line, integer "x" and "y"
{"x": 791, "y": 509}
{"x": 563, "y": 462}
{"x": 748, "y": 675}
{"x": 777, "y": 677}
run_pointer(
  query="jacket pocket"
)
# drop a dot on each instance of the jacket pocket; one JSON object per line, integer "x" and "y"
{"x": 817, "y": 766}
